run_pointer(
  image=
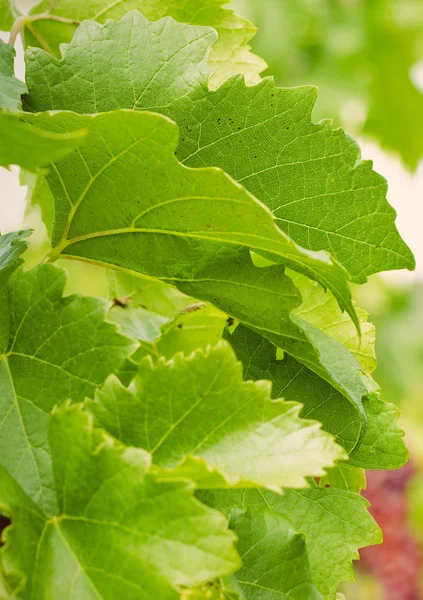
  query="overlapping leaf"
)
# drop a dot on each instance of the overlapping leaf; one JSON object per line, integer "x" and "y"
{"x": 230, "y": 55}
{"x": 381, "y": 446}
{"x": 274, "y": 556}
{"x": 199, "y": 419}
{"x": 20, "y": 143}
{"x": 11, "y": 88}
{"x": 310, "y": 175}
{"x": 113, "y": 530}
{"x": 136, "y": 149}
{"x": 320, "y": 309}
{"x": 151, "y": 91}
{"x": 181, "y": 233}
{"x": 12, "y": 246}
{"x": 57, "y": 349}
{"x": 335, "y": 524}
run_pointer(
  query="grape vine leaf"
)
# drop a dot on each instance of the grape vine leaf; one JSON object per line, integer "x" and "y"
{"x": 11, "y": 89}
{"x": 197, "y": 326}
{"x": 320, "y": 309}
{"x": 274, "y": 557}
{"x": 123, "y": 144}
{"x": 310, "y": 175}
{"x": 20, "y": 143}
{"x": 230, "y": 55}
{"x": 113, "y": 530}
{"x": 137, "y": 322}
{"x": 380, "y": 447}
{"x": 151, "y": 294}
{"x": 58, "y": 349}
{"x": 293, "y": 380}
{"x": 33, "y": 148}
{"x": 345, "y": 374}
{"x": 200, "y": 420}
{"x": 334, "y": 522}
{"x": 147, "y": 233}
{"x": 346, "y": 477}
{"x": 12, "y": 246}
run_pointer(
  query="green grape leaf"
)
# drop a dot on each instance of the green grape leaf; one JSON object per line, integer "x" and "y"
{"x": 185, "y": 51}
{"x": 294, "y": 381}
{"x": 150, "y": 234}
{"x": 335, "y": 524}
{"x": 11, "y": 89}
{"x": 346, "y": 477}
{"x": 197, "y": 326}
{"x": 119, "y": 145}
{"x": 33, "y": 148}
{"x": 274, "y": 557}
{"x": 21, "y": 144}
{"x": 12, "y": 246}
{"x": 155, "y": 312}
{"x": 381, "y": 446}
{"x": 114, "y": 530}
{"x": 152, "y": 295}
{"x": 58, "y": 349}
{"x": 137, "y": 322}
{"x": 230, "y": 55}
{"x": 320, "y": 309}
{"x": 200, "y": 420}
{"x": 310, "y": 175}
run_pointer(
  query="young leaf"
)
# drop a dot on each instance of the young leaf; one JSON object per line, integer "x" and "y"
{"x": 310, "y": 175}
{"x": 58, "y": 349}
{"x": 230, "y": 55}
{"x": 335, "y": 524}
{"x": 320, "y": 309}
{"x": 274, "y": 557}
{"x": 199, "y": 419}
{"x": 113, "y": 530}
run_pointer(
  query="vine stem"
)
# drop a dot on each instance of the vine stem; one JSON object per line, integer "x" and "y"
{"x": 23, "y": 20}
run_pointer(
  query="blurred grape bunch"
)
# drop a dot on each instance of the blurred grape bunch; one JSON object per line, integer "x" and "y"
{"x": 363, "y": 55}
{"x": 397, "y": 562}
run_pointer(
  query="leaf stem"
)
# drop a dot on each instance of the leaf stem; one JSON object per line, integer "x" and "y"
{"x": 26, "y": 20}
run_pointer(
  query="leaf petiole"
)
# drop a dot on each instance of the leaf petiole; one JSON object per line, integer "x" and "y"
{"x": 26, "y": 20}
